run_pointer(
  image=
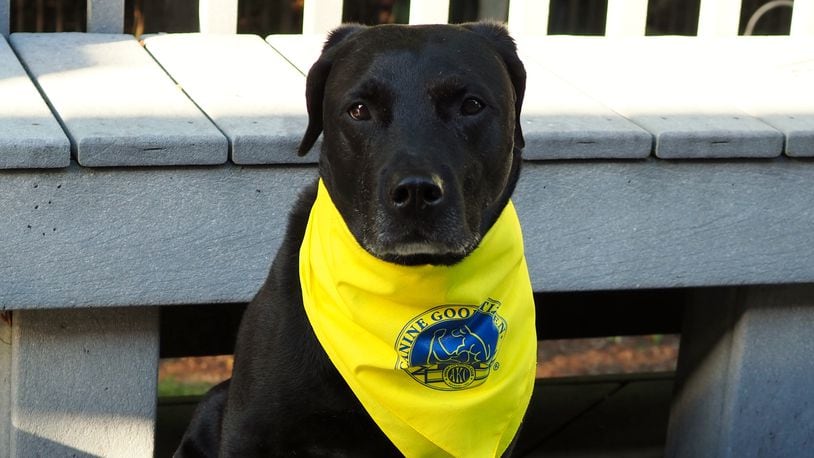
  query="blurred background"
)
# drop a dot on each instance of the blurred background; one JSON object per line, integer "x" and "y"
{"x": 264, "y": 17}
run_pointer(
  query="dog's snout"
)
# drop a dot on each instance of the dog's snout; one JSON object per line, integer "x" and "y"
{"x": 417, "y": 193}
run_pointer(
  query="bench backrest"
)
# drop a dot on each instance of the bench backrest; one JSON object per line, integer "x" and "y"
{"x": 624, "y": 17}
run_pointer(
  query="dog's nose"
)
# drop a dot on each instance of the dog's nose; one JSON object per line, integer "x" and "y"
{"x": 417, "y": 193}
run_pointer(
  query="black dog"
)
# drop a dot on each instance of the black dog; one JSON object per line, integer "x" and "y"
{"x": 421, "y": 154}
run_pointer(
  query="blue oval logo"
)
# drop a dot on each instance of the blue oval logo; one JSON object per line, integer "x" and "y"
{"x": 451, "y": 347}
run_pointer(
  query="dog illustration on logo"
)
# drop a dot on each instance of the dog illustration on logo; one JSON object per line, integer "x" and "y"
{"x": 458, "y": 345}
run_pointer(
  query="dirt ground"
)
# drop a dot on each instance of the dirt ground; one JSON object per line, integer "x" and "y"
{"x": 556, "y": 358}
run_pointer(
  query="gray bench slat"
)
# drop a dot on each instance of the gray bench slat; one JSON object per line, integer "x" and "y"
{"x": 668, "y": 86}
{"x": 105, "y": 237}
{"x": 252, "y": 94}
{"x": 30, "y": 137}
{"x": 301, "y": 50}
{"x": 559, "y": 122}
{"x": 118, "y": 106}
{"x": 773, "y": 79}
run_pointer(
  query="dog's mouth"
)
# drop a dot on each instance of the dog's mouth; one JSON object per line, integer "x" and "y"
{"x": 415, "y": 248}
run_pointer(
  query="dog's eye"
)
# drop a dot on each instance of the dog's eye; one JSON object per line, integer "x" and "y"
{"x": 471, "y": 106}
{"x": 359, "y": 112}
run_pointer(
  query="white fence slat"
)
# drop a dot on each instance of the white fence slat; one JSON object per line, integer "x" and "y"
{"x": 5, "y": 17}
{"x": 429, "y": 11}
{"x": 528, "y": 17}
{"x": 626, "y": 18}
{"x": 217, "y": 16}
{"x": 719, "y": 18}
{"x": 802, "y": 18}
{"x": 321, "y": 16}
{"x": 105, "y": 16}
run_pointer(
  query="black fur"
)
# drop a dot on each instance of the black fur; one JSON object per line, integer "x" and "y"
{"x": 285, "y": 397}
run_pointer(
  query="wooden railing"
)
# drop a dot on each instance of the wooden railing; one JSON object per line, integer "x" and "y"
{"x": 625, "y": 18}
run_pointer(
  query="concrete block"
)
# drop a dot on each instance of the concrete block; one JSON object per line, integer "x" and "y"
{"x": 84, "y": 382}
{"x": 744, "y": 375}
{"x": 257, "y": 99}
{"x": 30, "y": 137}
{"x": 118, "y": 106}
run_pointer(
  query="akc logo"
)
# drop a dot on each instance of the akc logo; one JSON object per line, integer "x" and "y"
{"x": 451, "y": 347}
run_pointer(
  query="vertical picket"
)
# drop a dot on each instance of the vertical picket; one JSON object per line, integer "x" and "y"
{"x": 429, "y": 11}
{"x": 320, "y": 16}
{"x": 5, "y": 17}
{"x": 528, "y": 17}
{"x": 217, "y": 16}
{"x": 719, "y": 18}
{"x": 802, "y": 18}
{"x": 105, "y": 16}
{"x": 626, "y": 18}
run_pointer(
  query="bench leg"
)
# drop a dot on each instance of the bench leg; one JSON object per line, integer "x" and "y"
{"x": 83, "y": 382}
{"x": 745, "y": 378}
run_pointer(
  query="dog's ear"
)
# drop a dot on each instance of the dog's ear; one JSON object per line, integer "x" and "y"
{"x": 496, "y": 34}
{"x": 315, "y": 84}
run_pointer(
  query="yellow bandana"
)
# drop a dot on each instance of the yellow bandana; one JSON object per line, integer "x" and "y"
{"x": 442, "y": 358}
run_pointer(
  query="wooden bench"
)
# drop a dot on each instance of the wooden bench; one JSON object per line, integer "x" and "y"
{"x": 136, "y": 175}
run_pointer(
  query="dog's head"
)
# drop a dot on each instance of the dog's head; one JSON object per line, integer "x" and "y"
{"x": 422, "y": 135}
